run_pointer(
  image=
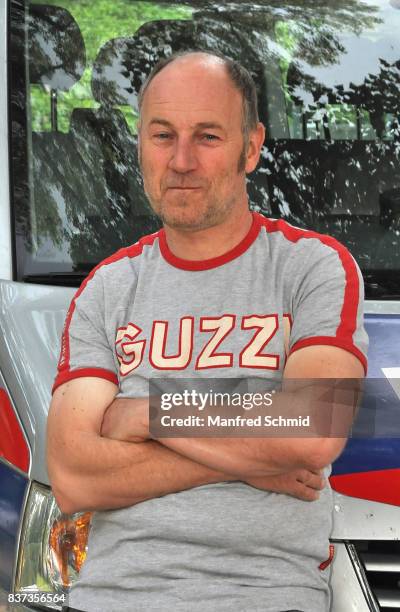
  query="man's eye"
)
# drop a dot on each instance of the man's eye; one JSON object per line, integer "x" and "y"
{"x": 209, "y": 137}
{"x": 162, "y": 135}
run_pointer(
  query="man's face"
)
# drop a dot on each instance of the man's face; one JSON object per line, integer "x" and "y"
{"x": 191, "y": 143}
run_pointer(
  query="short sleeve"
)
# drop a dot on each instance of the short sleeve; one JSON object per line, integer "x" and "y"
{"x": 328, "y": 304}
{"x": 85, "y": 350}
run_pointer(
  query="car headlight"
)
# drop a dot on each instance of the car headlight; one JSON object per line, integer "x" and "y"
{"x": 52, "y": 547}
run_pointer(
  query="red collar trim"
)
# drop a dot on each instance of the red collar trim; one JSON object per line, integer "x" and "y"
{"x": 207, "y": 264}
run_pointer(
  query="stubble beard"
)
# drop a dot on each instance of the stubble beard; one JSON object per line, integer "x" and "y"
{"x": 214, "y": 213}
{"x": 186, "y": 217}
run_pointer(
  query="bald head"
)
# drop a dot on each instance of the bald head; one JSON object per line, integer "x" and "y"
{"x": 184, "y": 68}
{"x": 217, "y": 67}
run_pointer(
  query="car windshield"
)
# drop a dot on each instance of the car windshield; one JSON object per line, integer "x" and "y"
{"x": 328, "y": 81}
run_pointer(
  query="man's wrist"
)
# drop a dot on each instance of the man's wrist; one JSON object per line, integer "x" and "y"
{"x": 221, "y": 477}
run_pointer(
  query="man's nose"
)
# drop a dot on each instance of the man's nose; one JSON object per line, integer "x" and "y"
{"x": 183, "y": 155}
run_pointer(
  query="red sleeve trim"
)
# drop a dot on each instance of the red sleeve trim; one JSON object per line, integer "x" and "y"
{"x": 331, "y": 341}
{"x": 64, "y": 377}
{"x": 348, "y": 315}
{"x": 131, "y": 252}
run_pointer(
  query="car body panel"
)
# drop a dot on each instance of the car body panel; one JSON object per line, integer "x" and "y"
{"x": 31, "y": 321}
{"x": 348, "y": 595}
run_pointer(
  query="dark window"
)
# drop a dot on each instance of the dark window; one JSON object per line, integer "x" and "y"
{"x": 328, "y": 78}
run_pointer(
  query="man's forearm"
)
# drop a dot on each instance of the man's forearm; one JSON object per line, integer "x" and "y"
{"x": 245, "y": 457}
{"x": 329, "y": 408}
{"x": 109, "y": 474}
{"x": 128, "y": 419}
{"x": 262, "y": 456}
{"x": 248, "y": 456}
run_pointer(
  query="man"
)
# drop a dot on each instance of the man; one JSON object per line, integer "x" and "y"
{"x": 219, "y": 292}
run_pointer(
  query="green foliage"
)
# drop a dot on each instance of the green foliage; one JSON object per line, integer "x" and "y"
{"x": 99, "y": 21}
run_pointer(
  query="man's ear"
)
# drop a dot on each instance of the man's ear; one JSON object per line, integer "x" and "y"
{"x": 256, "y": 141}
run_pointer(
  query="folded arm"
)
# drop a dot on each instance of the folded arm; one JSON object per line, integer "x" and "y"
{"x": 262, "y": 457}
{"x": 266, "y": 456}
{"x": 91, "y": 472}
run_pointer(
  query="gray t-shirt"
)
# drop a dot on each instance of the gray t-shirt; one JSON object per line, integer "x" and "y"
{"x": 144, "y": 313}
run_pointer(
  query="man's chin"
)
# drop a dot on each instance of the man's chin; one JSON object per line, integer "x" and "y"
{"x": 188, "y": 219}
{"x": 187, "y": 224}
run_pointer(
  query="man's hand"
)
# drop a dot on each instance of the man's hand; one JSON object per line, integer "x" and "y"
{"x": 127, "y": 420}
{"x": 303, "y": 484}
